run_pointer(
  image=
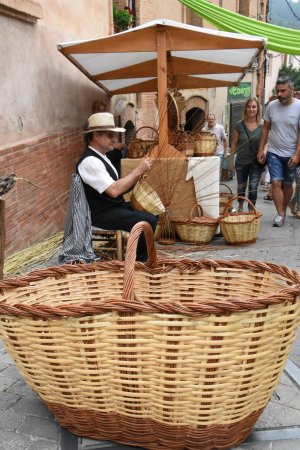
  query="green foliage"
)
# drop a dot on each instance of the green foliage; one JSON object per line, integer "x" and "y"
{"x": 293, "y": 73}
{"x": 122, "y": 18}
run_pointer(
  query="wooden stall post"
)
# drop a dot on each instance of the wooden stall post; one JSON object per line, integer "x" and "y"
{"x": 162, "y": 88}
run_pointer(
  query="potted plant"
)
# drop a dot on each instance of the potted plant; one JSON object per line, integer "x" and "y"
{"x": 122, "y": 19}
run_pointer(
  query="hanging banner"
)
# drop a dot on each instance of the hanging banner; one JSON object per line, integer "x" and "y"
{"x": 240, "y": 92}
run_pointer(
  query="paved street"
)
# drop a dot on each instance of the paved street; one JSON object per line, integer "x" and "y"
{"x": 26, "y": 424}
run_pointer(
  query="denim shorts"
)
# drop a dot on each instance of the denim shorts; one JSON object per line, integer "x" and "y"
{"x": 280, "y": 170}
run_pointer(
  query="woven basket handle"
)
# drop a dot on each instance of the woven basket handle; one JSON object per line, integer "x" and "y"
{"x": 142, "y": 128}
{"x": 228, "y": 187}
{"x": 130, "y": 258}
{"x": 239, "y": 197}
{"x": 200, "y": 211}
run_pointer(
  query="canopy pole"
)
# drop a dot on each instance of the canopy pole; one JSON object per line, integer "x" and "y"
{"x": 2, "y": 236}
{"x": 162, "y": 88}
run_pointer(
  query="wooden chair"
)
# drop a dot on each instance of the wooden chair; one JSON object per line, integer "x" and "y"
{"x": 110, "y": 242}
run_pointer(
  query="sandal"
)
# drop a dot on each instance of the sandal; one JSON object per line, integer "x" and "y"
{"x": 268, "y": 197}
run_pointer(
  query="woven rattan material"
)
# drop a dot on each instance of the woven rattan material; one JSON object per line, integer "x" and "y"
{"x": 140, "y": 147}
{"x": 225, "y": 197}
{"x": 205, "y": 144}
{"x": 197, "y": 230}
{"x": 240, "y": 228}
{"x": 145, "y": 198}
{"x": 168, "y": 355}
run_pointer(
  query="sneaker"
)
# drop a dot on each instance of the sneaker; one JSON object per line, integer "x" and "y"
{"x": 279, "y": 221}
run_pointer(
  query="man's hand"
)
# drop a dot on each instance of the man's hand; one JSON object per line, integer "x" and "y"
{"x": 261, "y": 157}
{"x": 144, "y": 166}
{"x": 294, "y": 160}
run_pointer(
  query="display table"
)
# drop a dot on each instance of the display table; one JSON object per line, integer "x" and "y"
{"x": 175, "y": 180}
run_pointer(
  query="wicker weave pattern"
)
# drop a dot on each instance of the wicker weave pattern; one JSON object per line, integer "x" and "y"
{"x": 145, "y": 198}
{"x": 240, "y": 228}
{"x": 205, "y": 144}
{"x": 188, "y": 360}
{"x": 225, "y": 197}
{"x": 138, "y": 148}
{"x": 198, "y": 230}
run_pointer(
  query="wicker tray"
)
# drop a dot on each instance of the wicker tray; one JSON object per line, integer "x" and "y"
{"x": 196, "y": 230}
{"x": 240, "y": 228}
{"x": 169, "y": 355}
{"x": 138, "y": 147}
{"x": 205, "y": 144}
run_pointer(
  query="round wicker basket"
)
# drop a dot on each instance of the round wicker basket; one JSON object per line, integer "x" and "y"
{"x": 225, "y": 197}
{"x": 196, "y": 230}
{"x": 138, "y": 148}
{"x": 240, "y": 228}
{"x": 205, "y": 144}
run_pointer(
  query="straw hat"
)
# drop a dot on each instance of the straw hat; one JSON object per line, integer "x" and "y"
{"x": 103, "y": 121}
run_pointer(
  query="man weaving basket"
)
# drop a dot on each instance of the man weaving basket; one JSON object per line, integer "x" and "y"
{"x": 103, "y": 188}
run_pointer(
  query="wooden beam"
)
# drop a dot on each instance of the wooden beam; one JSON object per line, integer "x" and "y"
{"x": 162, "y": 88}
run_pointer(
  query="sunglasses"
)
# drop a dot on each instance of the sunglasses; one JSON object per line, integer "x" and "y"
{"x": 111, "y": 134}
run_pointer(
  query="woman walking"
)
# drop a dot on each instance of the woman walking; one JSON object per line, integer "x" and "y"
{"x": 245, "y": 140}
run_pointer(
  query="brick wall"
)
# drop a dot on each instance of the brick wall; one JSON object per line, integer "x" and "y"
{"x": 35, "y": 213}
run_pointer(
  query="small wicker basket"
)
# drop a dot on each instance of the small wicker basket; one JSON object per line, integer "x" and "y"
{"x": 184, "y": 142}
{"x": 225, "y": 197}
{"x": 240, "y": 228}
{"x": 205, "y": 144}
{"x": 138, "y": 147}
{"x": 145, "y": 198}
{"x": 196, "y": 230}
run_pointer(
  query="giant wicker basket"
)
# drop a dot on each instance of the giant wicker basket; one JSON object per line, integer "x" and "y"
{"x": 240, "y": 228}
{"x": 168, "y": 355}
{"x": 196, "y": 229}
{"x": 145, "y": 198}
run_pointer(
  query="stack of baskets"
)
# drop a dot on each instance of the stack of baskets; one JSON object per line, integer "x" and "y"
{"x": 196, "y": 230}
{"x": 138, "y": 147}
{"x": 174, "y": 354}
{"x": 145, "y": 198}
{"x": 205, "y": 144}
{"x": 240, "y": 228}
{"x": 225, "y": 197}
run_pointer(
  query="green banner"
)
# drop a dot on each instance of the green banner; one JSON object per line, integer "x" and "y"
{"x": 240, "y": 92}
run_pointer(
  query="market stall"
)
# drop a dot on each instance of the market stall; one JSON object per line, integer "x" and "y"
{"x": 161, "y": 56}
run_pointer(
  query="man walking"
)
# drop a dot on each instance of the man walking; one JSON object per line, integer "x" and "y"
{"x": 281, "y": 130}
{"x": 218, "y": 130}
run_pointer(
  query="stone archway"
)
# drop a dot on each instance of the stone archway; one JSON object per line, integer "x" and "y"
{"x": 194, "y": 113}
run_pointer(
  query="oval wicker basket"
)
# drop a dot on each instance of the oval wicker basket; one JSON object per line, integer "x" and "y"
{"x": 138, "y": 147}
{"x": 184, "y": 142}
{"x": 196, "y": 230}
{"x": 174, "y": 354}
{"x": 205, "y": 144}
{"x": 240, "y": 228}
{"x": 145, "y": 198}
{"x": 225, "y": 197}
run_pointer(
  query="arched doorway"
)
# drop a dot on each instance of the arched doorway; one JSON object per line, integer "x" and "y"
{"x": 194, "y": 119}
{"x": 130, "y": 131}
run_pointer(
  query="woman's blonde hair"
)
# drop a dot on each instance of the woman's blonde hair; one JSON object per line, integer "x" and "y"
{"x": 258, "y": 115}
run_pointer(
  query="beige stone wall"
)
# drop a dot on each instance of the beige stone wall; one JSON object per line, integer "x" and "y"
{"x": 41, "y": 91}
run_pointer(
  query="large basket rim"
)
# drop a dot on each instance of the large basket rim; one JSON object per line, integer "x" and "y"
{"x": 227, "y": 306}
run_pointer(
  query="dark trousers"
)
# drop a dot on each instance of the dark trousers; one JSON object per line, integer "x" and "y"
{"x": 248, "y": 173}
{"x": 124, "y": 217}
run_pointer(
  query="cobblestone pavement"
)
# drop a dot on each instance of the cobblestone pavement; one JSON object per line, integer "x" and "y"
{"x": 26, "y": 424}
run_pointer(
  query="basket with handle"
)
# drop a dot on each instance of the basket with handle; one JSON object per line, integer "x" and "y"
{"x": 225, "y": 197}
{"x": 184, "y": 142}
{"x": 240, "y": 228}
{"x": 145, "y": 198}
{"x": 196, "y": 229}
{"x": 139, "y": 147}
{"x": 205, "y": 144}
{"x": 168, "y": 354}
